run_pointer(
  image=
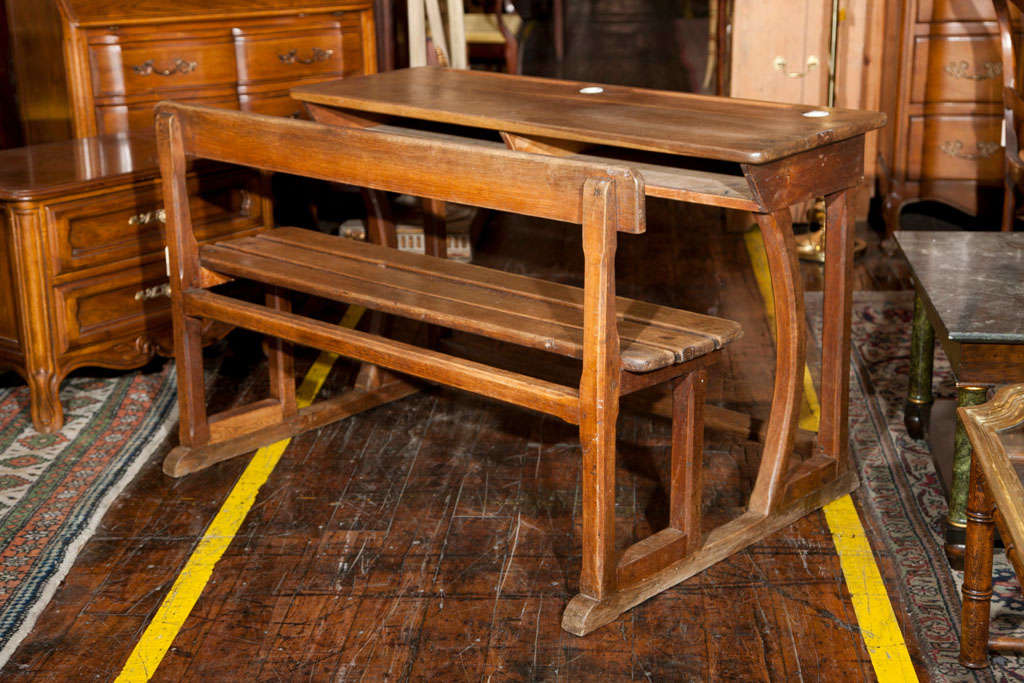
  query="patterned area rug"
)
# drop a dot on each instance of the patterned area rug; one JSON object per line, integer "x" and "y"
{"x": 54, "y": 488}
{"x": 900, "y": 489}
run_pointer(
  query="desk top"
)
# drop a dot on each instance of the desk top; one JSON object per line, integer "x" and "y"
{"x": 974, "y": 281}
{"x": 721, "y": 128}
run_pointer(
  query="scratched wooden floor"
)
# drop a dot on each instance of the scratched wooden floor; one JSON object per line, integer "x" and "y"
{"x": 438, "y": 537}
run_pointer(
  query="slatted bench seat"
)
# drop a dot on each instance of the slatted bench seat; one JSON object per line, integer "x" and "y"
{"x": 624, "y": 345}
{"x": 522, "y": 310}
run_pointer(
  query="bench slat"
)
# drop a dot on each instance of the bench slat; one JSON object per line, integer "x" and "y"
{"x": 720, "y": 330}
{"x": 503, "y": 307}
{"x": 508, "y": 309}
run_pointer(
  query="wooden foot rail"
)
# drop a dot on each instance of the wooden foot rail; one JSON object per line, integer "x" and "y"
{"x": 623, "y": 345}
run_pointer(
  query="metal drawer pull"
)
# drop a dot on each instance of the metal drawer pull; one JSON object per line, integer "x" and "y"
{"x": 181, "y": 66}
{"x": 780, "y": 65}
{"x": 955, "y": 148}
{"x": 147, "y": 217}
{"x": 154, "y": 292}
{"x": 962, "y": 69}
{"x": 292, "y": 56}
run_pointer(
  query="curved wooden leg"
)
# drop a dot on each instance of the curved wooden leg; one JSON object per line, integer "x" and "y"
{"x": 977, "y": 589}
{"x": 44, "y": 400}
{"x": 788, "y": 299}
{"x": 919, "y": 386}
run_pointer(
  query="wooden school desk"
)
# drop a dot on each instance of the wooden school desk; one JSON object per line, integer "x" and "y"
{"x": 753, "y": 156}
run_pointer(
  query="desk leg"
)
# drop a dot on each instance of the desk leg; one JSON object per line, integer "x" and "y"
{"x": 833, "y": 430}
{"x": 919, "y": 386}
{"x": 790, "y": 343}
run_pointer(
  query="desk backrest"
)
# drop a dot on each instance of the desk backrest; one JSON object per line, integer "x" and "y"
{"x": 478, "y": 174}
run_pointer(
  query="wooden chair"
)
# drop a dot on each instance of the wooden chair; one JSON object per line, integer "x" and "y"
{"x": 996, "y": 498}
{"x": 625, "y": 345}
{"x": 1013, "y": 108}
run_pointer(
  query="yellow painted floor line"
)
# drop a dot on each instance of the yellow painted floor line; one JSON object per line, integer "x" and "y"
{"x": 875, "y": 616}
{"x": 178, "y": 604}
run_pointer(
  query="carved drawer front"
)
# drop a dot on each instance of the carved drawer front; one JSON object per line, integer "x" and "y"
{"x": 129, "y": 224}
{"x": 98, "y": 309}
{"x": 955, "y": 10}
{"x": 962, "y": 147}
{"x": 137, "y": 118}
{"x": 964, "y": 68}
{"x": 130, "y": 65}
{"x": 289, "y": 51}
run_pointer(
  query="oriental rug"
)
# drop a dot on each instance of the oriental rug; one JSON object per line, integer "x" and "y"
{"x": 901, "y": 492}
{"x": 55, "y": 488}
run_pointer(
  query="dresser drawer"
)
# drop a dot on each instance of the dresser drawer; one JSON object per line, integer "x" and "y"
{"x": 103, "y": 308}
{"x": 955, "y": 10}
{"x": 964, "y": 68}
{"x": 138, "y": 117}
{"x": 127, "y": 67}
{"x": 955, "y": 148}
{"x": 289, "y": 51}
{"x": 126, "y": 225}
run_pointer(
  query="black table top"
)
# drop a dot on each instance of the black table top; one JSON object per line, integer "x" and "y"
{"x": 974, "y": 281}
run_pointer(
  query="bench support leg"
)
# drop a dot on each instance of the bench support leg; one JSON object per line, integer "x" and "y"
{"x": 687, "y": 469}
{"x": 280, "y": 362}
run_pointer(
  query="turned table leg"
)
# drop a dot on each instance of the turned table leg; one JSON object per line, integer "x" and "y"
{"x": 956, "y": 520}
{"x": 919, "y": 390}
{"x": 977, "y": 588}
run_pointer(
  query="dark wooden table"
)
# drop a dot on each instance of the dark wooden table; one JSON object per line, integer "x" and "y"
{"x": 969, "y": 294}
{"x": 754, "y": 156}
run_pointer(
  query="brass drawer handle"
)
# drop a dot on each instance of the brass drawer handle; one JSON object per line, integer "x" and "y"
{"x": 181, "y": 66}
{"x": 955, "y": 148}
{"x": 962, "y": 69}
{"x": 292, "y": 56}
{"x": 147, "y": 217}
{"x": 154, "y": 292}
{"x": 780, "y": 65}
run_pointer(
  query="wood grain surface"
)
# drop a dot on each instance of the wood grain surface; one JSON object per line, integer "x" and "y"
{"x": 675, "y": 123}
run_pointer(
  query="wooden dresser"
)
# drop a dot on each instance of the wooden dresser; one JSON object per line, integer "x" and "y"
{"x": 91, "y": 67}
{"x": 942, "y": 91}
{"x": 82, "y": 274}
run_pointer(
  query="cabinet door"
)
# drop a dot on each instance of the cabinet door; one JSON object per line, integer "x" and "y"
{"x": 780, "y": 50}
